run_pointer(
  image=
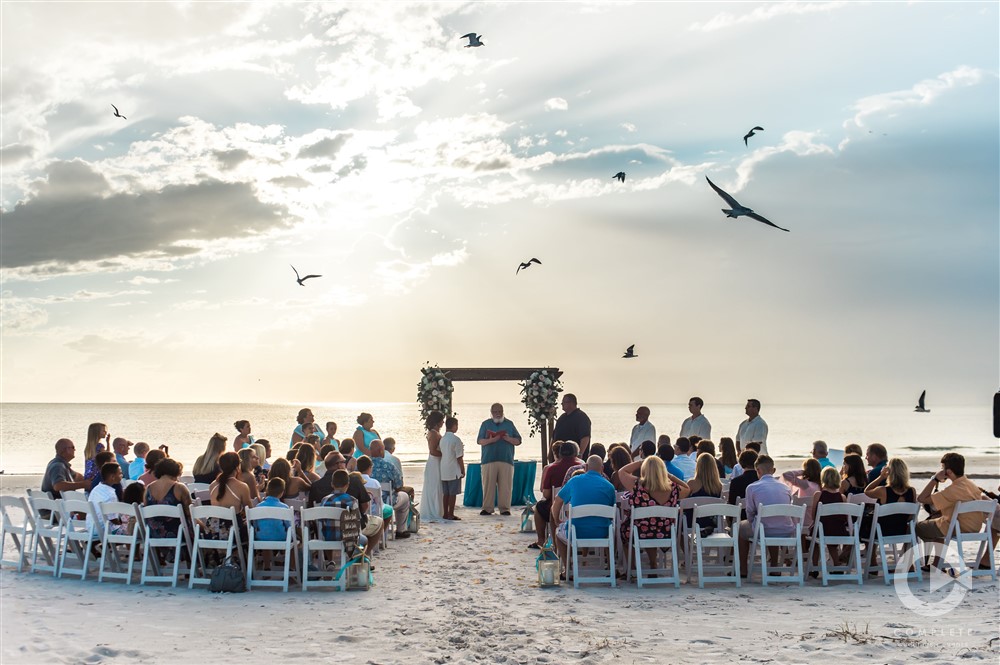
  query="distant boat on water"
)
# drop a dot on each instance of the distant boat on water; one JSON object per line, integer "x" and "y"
{"x": 920, "y": 408}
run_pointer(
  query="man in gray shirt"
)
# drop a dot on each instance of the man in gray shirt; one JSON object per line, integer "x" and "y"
{"x": 59, "y": 477}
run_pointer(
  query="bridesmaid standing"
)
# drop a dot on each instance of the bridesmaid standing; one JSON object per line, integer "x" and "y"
{"x": 364, "y": 434}
{"x": 432, "y": 499}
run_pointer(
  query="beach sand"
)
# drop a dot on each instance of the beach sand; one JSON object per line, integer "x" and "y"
{"x": 467, "y": 592}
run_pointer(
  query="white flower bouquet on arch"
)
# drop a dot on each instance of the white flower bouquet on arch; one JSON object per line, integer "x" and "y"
{"x": 541, "y": 398}
{"x": 434, "y": 391}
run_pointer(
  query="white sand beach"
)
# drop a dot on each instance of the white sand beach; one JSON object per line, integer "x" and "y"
{"x": 467, "y": 592}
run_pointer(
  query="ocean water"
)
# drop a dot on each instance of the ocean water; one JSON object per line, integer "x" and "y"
{"x": 28, "y": 432}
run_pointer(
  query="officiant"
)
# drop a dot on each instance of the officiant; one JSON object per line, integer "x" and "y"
{"x": 497, "y": 436}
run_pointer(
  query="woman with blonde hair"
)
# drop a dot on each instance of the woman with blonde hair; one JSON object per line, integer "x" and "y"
{"x": 98, "y": 440}
{"x": 653, "y": 487}
{"x": 248, "y": 460}
{"x": 706, "y": 482}
{"x": 896, "y": 477}
{"x": 833, "y": 525}
{"x": 206, "y": 467}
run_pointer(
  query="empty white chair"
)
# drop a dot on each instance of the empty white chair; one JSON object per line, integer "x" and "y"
{"x": 761, "y": 541}
{"x": 720, "y": 541}
{"x": 209, "y": 523}
{"x": 80, "y": 535}
{"x": 73, "y": 495}
{"x": 174, "y": 545}
{"x": 19, "y": 524}
{"x": 663, "y": 574}
{"x": 955, "y": 536}
{"x": 886, "y": 546}
{"x": 115, "y": 564}
{"x": 286, "y": 546}
{"x": 820, "y": 539}
{"x": 314, "y": 546}
{"x": 48, "y": 537}
{"x": 605, "y": 541}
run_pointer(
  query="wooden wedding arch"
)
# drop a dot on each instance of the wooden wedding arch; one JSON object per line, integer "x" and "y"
{"x": 455, "y": 374}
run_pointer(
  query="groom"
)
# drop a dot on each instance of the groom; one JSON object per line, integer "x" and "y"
{"x": 497, "y": 436}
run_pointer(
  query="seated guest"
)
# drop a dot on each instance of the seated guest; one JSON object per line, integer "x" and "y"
{"x": 306, "y": 458}
{"x": 766, "y": 491}
{"x": 248, "y": 460}
{"x": 892, "y": 486}
{"x": 372, "y": 486}
{"x": 944, "y": 501}
{"x": 620, "y": 456}
{"x": 854, "y": 479}
{"x": 265, "y": 456}
{"x": 738, "y": 486}
{"x": 707, "y": 446}
{"x": 728, "y": 455}
{"x": 272, "y": 529}
{"x": 552, "y": 475}
{"x": 876, "y": 457}
{"x": 340, "y": 497}
{"x": 390, "y": 453}
{"x": 355, "y": 485}
{"x": 820, "y": 453}
{"x": 591, "y": 488}
{"x": 666, "y": 453}
{"x": 121, "y": 446}
{"x": 153, "y": 457}
{"x": 738, "y": 470}
{"x": 595, "y": 449}
{"x": 324, "y": 486}
{"x": 371, "y": 522}
{"x": 228, "y": 491}
{"x": 706, "y": 482}
{"x": 206, "y": 467}
{"x": 138, "y": 466}
{"x": 295, "y": 482}
{"x": 683, "y": 459}
{"x": 853, "y": 449}
{"x": 166, "y": 491}
{"x": 100, "y": 459}
{"x": 804, "y": 483}
{"x": 259, "y": 472}
{"x": 383, "y": 471}
{"x": 347, "y": 449}
{"x": 833, "y": 525}
{"x": 646, "y": 449}
{"x": 653, "y": 487}
{"x": 104, "y": 492}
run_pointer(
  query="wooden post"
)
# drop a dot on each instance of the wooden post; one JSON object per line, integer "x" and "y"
{"x": 544, "y": 431}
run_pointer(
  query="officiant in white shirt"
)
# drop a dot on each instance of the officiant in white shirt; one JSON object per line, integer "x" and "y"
{"x": 643, "y": 430}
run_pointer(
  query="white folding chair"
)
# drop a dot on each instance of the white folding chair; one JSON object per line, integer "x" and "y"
{"x": 19, "y": 524}
{"x": 720, "y": 541}
{"x": 178, "y": 544}
{"x": 80, "y": 535}
{"x": 886, "y": 546}
{"x": 390, "y": 533}
{"x": 201, "y": 497}
{"x": 861, "y": 499}
{"x": 314, "y": 545}
{"x": 601, "y": 543}
{"x": 761, "y": 541}
{"x": 114, "y": 541}
{"x": 663, "y": 574}
{"x": 687, "y": 530}
{"x": 956, "y": 536}
{"x": 197, "y": 487}
{"x": 286, "y": 546}
{"x": 204, "y": 539}
{"x": 48, "y": 534}
{"x": 185, "y": 479}
{"x": 833, "y": 571}
{"x": 73, "y": 495}
{"x": 38, "y": 494}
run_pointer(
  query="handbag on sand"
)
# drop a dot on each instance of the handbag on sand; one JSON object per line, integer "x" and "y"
{"x": 228, "y": 577}
{"x": 413, "y": 520}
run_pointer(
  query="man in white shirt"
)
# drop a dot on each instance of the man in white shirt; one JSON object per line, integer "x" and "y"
{"x": 684, "y": 459}
{"x": 753, "y": 428}
{"x": 696, "y": 424}
{"x": 103, "y": 492}
{"x": 642, "y": 431}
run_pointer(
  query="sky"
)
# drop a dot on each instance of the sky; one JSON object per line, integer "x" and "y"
{"x": 148, "y": 258}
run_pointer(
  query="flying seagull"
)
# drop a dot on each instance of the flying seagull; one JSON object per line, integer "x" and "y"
{"x": 921, "y": 408}
{"x": 620, "y": 176}
{"x": 737, "y": 209}
{"x": 751, "y": 133}
{"x": 474, "y": 40}
{"x": 117, "y": 114}
{"x": 629, "y": 352}
{"x": 527, "y": 264}
{"x": 302, "y": 279}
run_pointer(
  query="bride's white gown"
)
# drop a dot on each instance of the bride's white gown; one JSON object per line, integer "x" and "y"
{"x": 431, "y": 498}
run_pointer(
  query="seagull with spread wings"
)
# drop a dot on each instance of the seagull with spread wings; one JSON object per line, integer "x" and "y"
{"x": 619, "y": 176}
{"x": 630, "y": 352}
{"x": 737, "y": 209}
{"x": 117, "y": 114}
{"x": 751, "y": 133}
{"x": 302, "y": 279}
{"x": 474, "y": 40}
{"x": 527, "y": 264}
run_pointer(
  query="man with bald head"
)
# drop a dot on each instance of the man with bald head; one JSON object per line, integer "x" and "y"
{"x": 59, "y": 477}
{"x": 385, "y": 471}
{"x": 121, "y": 446}
{"x": 590, "y": 488}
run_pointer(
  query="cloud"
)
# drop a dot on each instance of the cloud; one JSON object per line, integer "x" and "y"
{"x": 139, "y": 280}
{"x": 15, "y": 152}
{"x": 326, "y": 147}
{"x": 230, "y": 159}
{"x": 765, "y": 13}
{"x": 293, "y": 181}
{"x": 921, "y": 94}
{"x": 17, "y": 316}
{"x": 556, "y": 104}
{"x": 628, "y": 127}
{"x": 74, "y": 217}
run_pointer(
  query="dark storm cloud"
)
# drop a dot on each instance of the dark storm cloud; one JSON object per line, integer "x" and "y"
{"x": 328, "y": 147}
{"x": 73, "y": 217}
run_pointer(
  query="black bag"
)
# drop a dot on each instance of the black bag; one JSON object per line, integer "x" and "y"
{"x": 228, "y": 577}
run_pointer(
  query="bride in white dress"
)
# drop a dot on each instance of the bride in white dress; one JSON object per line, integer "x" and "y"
{"x": 431, "y": 499}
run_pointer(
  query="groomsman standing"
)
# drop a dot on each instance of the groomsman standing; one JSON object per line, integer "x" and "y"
{"x": 697, "y": 424}
{"x": 642, "y": 431}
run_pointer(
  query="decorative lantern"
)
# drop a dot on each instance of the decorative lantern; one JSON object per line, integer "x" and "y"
{"x": 548, "y": 566}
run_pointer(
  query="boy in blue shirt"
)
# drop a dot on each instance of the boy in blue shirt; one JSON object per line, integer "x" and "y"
{"x": 272, "y": 529}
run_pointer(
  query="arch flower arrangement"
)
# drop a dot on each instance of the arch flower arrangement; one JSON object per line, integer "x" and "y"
{"x": 434, "y": 391}
{"x": 541, "y": 397}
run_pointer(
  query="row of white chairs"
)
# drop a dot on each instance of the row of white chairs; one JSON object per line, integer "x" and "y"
{"x": 715, "y": 555}
{"x": 59, "y": 536}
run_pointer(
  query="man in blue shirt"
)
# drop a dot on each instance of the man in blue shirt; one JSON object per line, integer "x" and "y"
{"x": 497, "y": 436}
{"x": 590, "y": 488}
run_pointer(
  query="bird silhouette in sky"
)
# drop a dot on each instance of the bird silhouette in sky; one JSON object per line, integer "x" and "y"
{"x": 302, "y": 279}
{"x": 117, "y": 114}
{"x": 474, "y": 40}
{"x": 737, "y": 209}
{"x": 630, "y": 352}
{"x": 620, "y": 176}
{"x": 527, "y": 264}
{"x": 751, "y": 133}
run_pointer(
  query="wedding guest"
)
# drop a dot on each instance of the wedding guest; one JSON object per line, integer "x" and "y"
{"x": 643, "y": 430}
{"x": 821, "y": 452}
{"x": 590, "y": 488}
{"x": 452, "y": 467}
{"x": 390, "y": 453}
{"x": 347, "y": 448}
{"x": 397, "y": 498}
{"x": 324, "y": 486}
{"x": 259, "y": 473}
{"x": 876, "y": 456}
{"x": 331, "y": 434}
{"x": 364, "y": 434}
{"x": 153, "y": 457}
{"x": 833, "y": 525}
{"x": 102, "y": 458}
{"x": 299, "y": 434}
{"x": 166, "y": 491}
{"x": 707, "y": 446}
{"x": 294, "y": 484}
{"x": 108, "y": 490}
{"x": 138, "y": 466}
{"x": 853, "y": 449}
{"x": 855, "y": 479}
{"x": 647, "y": 449}
{"x": 804, "y": 482}
{"x": 265, "y": 462}
{"x": 498, "y": 438}
{"x": 892, "y": 486}
{"x": 244, "y": 438}
{"x": 706, "y": 482}
{"x": 654, "y": 486}
{"x": 766, "y": 491}
{"x": 753, "y": 428}
{"x": 620, "y": 456}
{"x": 206, "y": 467}
{"x": 121, "y": 446}
{"x": 696, "y": 424}
{"x": 306, "y": 458}
{"x": 960, "y": 489}
{"x": 228, "y": 491}
{"x": 59, "y": 476}
{"x": 551, "y": 476}
{"x": 431, "y": 501}
{"x": 573, "y": 425}
{"x": 738, "y": 485}
{"x": 665, "y": 451}
{"x": 683, "y": 459}
{"x": 738, "y": 470}
{"x": 248, "y": 460}
{"x": 98, "y": 439}
{"x": 272, "y": 529}
{"x": 728, "y": 455}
